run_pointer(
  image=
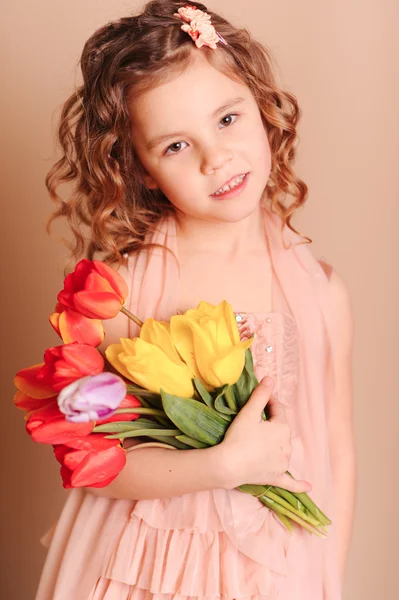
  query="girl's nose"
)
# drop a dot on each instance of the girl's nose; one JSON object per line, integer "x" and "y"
{"x": 215, "y": 157}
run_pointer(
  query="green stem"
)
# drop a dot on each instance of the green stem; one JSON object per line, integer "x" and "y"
{"x": 311, "y": 506}
{"x": 285, "y": 521}
{"x": 302, "y": 515}
{"x": 140, "y": 392}
{"x": 145, "y": 432}
{"x": 293, "y": 501}
{"x": 131, "y": 316}
{"x": 171, "y": 442}
{"x": 277, "y": 507}
{"x": 231, "y": 401}
{"x": 139, "y": 410}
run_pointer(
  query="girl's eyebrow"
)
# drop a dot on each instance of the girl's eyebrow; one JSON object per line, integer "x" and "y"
{"x": 161, "y": 138}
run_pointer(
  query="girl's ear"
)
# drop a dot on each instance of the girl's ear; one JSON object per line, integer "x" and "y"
{"x": 144, "y": 177}
{"x": 149, "y": 182}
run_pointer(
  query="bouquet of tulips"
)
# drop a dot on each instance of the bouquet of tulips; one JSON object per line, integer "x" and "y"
{"x": 180, "y": 383}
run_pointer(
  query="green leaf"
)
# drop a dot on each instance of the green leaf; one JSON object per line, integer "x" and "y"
{"x": 195, "y": 419}
{"x": 116, "y": 426}
{"x": 221, "y": 404}
{"x": 203, "y": 392}
{"x": 247, "y": 382}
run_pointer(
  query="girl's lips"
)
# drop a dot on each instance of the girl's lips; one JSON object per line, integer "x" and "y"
{"x": 233, "y": 192}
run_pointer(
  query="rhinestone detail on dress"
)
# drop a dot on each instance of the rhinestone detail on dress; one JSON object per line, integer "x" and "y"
{"x": 274, "y": 349}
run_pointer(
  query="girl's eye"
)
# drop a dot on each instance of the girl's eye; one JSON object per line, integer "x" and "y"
{"x": 229, "y": 117}
{"x": 175, "y": 150}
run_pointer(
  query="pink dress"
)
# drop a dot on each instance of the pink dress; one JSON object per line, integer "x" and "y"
{"x": 212, "y": 545}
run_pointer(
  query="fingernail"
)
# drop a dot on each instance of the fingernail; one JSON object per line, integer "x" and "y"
{"x": 268, "y": 381}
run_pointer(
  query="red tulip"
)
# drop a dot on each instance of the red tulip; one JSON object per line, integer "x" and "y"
{"x": 47, "y": 425}
{"x": 72, "y": 326}
{"x": 67, "y": 363}
{"x": 62, "y": 365}
{"x": 94, "y": 289}
{"x": 28, "y": 404}
{"x": 92, "y": 461}
{"x": 27, "y": 383}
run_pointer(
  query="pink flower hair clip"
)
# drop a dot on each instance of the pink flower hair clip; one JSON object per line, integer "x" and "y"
{"x": 198, "y": 26}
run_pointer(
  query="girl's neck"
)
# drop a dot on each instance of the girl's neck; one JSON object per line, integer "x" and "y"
{"x": 225, "y": 239}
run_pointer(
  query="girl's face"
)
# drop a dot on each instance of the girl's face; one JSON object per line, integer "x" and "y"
{"x": 195, "y": 133}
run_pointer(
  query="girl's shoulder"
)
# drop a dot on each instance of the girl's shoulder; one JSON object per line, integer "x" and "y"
{"x": 339, "y": 292}
{"x": 327, "y": 267}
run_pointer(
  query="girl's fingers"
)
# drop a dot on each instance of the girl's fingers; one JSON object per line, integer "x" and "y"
{"x": 292, "y": 485}
{"x": 277, "y": 411}
{"x": 259, "y": 398}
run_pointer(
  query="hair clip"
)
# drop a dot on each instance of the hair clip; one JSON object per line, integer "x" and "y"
{"x": 198, "y": 26}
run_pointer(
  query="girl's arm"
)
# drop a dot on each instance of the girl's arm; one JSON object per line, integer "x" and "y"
{"x": 162, "y": 473}
{"x": 341, "y": 429}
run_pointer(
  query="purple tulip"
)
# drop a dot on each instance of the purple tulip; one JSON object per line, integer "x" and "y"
{"x": 92, "y": 398}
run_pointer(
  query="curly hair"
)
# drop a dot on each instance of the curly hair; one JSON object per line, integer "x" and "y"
{"x": 125, "y": 58}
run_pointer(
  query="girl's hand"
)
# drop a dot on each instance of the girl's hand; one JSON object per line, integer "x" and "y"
{"x": 255, "y": 451}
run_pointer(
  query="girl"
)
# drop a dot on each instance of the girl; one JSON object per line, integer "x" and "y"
{"x": 180, "y": 145}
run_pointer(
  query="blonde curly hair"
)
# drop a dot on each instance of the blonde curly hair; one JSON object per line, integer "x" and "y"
{"x": 128, "y": 57}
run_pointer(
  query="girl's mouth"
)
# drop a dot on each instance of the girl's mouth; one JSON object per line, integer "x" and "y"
{"x": 236, "y": 188}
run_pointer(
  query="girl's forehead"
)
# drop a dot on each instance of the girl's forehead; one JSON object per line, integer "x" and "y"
{"x": 198, "y": 89}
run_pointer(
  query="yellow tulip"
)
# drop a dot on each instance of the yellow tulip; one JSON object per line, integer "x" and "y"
{"x": 158, "y": 333}
{"x": 208, "y": 340}
{"x": 150, "y": 365}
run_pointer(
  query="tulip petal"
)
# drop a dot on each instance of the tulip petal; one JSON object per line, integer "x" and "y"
{"x": 60, "y": 451}
{"x": 158, "y": 333}
{"x": 97, "y": 305}
{"x": 102, "y": 483}
{"x": 54, "y": 322}
{"x": 73, "y": 458}
{"x": 152, "y": 369}
{"x": 127, "y": 402}
{"x": 231, "y": 322}
{"x": 66, "y": 477}
{"x": 78, "y": 277}
{"x": 26, "y": 403}
{"x": 182, "y": 338}
{"x": 116, "y": 281}
{"x": 26, "y": 381}
{"x": 206, "y": 307}
{"x": 49, "y": 426}
{"x": 97, "y": 467}
{"x": 97, "y": 283}
{"x": 92, "y": 397}
{"x": 84, "y": 358}
{"x": 228, "y": 368}
{"x": 94, "y": 442}
{"x": 75, "y": 327}
{"x": 113, "y": 353}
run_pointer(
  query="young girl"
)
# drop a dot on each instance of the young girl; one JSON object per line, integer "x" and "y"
{"x": 180, "y": 145}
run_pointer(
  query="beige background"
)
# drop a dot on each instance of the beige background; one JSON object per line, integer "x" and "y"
{"x": 340, "y": 59}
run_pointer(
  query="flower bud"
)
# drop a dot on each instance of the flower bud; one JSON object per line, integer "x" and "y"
{"x": 92, "y": 398}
